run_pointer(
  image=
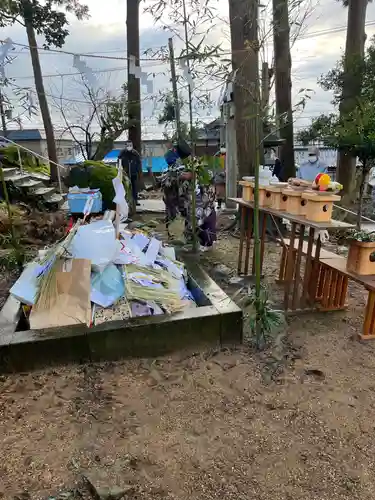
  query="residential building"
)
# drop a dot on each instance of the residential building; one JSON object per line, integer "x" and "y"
{"x": 34, "y": 140}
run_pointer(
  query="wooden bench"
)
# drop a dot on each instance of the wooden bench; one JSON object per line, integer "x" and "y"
{"x": 338, "y": 267}
{"x": 330, "y": 286}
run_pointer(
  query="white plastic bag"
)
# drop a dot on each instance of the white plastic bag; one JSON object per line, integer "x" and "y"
{"x": 97, "y": 242}
{"x": 324, "y": 236}
{"x": 128, "y": 252}
{"x": 107, "y": 287}
{"x": 120, "y": 198}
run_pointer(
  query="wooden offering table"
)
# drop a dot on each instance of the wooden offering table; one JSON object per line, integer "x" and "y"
{"x": 300, "y": 292}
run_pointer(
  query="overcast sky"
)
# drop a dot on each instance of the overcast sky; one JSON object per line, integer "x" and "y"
{"x": 105, "y": 34}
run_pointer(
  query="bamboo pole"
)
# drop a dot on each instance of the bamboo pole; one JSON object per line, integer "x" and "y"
{"x": 118, "y": 215}
{"x": 194, "y": 174}
{"x": 9, "y": 210}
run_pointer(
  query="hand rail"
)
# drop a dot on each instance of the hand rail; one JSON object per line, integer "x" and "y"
{"x": 38, "y": 156}
{"x": 353, "y": 213}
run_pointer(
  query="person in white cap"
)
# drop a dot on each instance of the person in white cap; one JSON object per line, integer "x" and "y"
{"x": 313, "y": 166}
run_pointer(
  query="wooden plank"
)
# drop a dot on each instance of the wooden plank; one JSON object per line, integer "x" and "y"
{"x": 283, "y": 264}
{"x": 306, "y": 279}
{"x": 327, "y": 288}
{"x": 242, "y": 239}
{"x": 315, "y": 269}
{"x": 249, "y": 231}
{"x": 324, "y": 254}
{"x": 331, "y": 225}
{"x": 344, "y": 291}
{"x": 289, "y": 268}
{"x": 338, "y": 291}
{"x": 297, "y": 271}
{"x": 332, "y": 290}
{"x": 340, "y": 265}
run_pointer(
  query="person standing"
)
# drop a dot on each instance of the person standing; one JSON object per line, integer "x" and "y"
{"x": 313, "y": 166}
{"x": 219, "y": 177}
{"x": 277, "y": 170}
{"x": 132, "y": 165}
{"x": 308, "y": 171}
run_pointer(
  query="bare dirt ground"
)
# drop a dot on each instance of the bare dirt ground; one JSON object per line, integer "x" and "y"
{"x": 229, "y": 425}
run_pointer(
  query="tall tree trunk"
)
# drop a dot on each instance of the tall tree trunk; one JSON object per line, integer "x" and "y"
{"x": 283, "y": 85}
{"x": 134, "y": 84}
{"x": 355, "y": 49}
{"x": 243, "y": 15}
{"x": 43, "y": 104}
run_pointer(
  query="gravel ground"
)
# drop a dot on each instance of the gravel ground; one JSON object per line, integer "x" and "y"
{"x": 293, "y": 423}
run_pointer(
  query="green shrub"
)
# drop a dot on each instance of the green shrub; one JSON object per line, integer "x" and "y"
{"x": 98, "y": 175}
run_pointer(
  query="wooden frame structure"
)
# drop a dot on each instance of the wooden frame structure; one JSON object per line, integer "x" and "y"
{"x": 300, "y": 292}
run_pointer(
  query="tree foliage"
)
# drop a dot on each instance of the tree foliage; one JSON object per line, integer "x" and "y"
{"x": 167, "y": 118}
{"x": 333, "y": 82}
{"x": 48, "y": 18}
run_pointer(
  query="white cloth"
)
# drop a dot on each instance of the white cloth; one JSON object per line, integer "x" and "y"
{"x": 371, "y": 178}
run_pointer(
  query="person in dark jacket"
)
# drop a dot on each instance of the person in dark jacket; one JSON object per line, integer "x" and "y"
{"x": 277, "y": 169}
{"x": 132, "y": 165}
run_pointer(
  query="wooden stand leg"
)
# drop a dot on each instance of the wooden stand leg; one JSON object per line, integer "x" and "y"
{"x": 320, "y": 285}
{"x": 344, "y": 292}
{"x": 249, "y": 233}
{"x": 326, "y": 288}
{"x": 369, "y": 322}
{"x": 242, "y": 239}
{"x": 263, "y": 240}
{"x": 289, "y": 273}
{"x": 283, "y": 264}
{"x": 308, "y": 267}
{"x": 297, "y": 269}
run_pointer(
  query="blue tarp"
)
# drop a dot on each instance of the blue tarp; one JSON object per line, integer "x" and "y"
{"x": 112, "y": 156}
{"x": 158, "y": 163}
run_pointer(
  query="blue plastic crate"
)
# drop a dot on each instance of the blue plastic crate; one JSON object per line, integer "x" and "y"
{"x": 77, "y": 201}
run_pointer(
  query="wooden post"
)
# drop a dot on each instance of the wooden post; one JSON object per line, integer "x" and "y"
{"x": 243, "y": 15}
{"x": 283, "y": 83}
{"x": 134, "y": 84}
{"x": 231, "y": 169}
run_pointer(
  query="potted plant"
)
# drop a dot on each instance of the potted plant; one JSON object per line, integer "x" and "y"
{"x": 361, "y": 257}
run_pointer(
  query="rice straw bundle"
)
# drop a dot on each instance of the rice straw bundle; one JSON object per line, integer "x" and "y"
{"x": 167, "y": 296}
{"x": 52, "y": 263}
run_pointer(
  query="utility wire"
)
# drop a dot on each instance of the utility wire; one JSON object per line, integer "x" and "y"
{"x": 163, "y": 59}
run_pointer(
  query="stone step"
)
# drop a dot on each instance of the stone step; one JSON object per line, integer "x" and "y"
{"x": 40, "y": 177}
{"x": 43, "y": 191}
{"x": 9, "y": 172}
{"x": 54, "y": 198}
{"x": 28, "y": 183}
{"x": 18, "y": 177}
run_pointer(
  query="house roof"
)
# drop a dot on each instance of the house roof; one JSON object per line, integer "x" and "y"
{"x": 210, "y": 130}
{"x": 32, "y": 134}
